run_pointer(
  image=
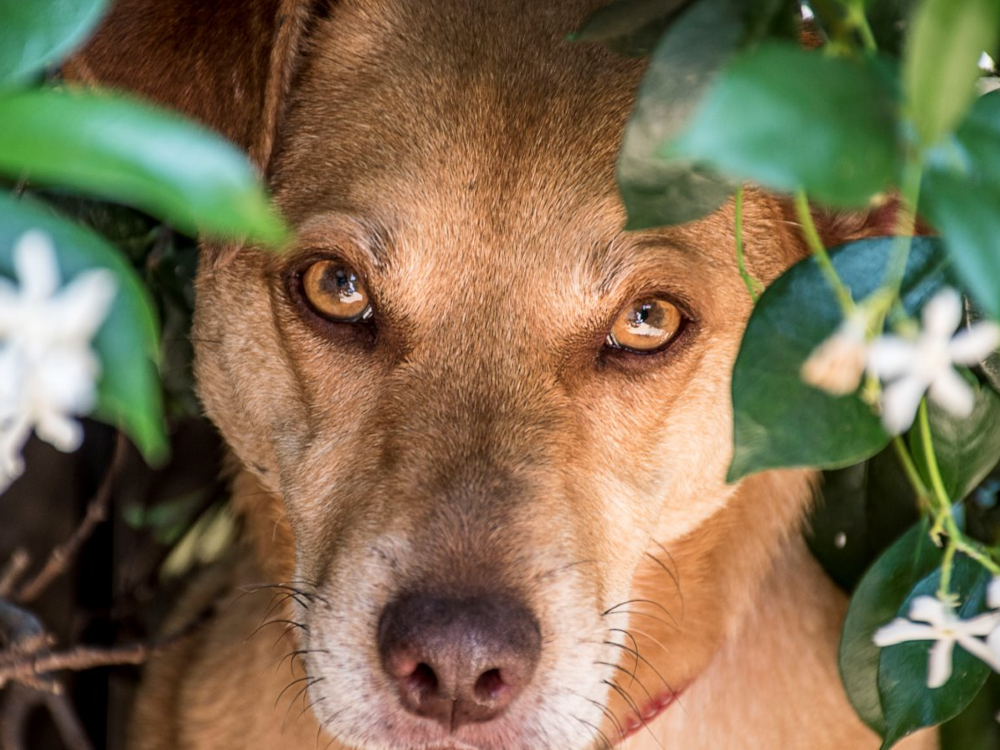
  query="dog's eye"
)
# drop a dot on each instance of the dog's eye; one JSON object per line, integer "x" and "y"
{"x": 645, "y": 326}
{"x": 336, "y": 292}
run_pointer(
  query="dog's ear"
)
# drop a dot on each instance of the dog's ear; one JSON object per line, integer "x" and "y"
{"x": 226, "y": 63}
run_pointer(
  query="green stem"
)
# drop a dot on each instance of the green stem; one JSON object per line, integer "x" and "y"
{"x": 819, "y": 252}
{"x": 753, "y": 286}
{"x": 927, "y": 444}
{"x": 910, "y": 468}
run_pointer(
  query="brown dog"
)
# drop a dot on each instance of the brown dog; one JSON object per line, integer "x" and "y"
{"x": 482, "y": 433}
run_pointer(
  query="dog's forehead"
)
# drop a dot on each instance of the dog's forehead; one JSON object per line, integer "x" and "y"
{"x": 406, "y": 108}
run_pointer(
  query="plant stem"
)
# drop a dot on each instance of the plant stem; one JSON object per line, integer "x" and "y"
{"x": 818, "y": 250}
{"x": 923, "y": 495}
{"x": 753, "y": 286}
{"x": 944, "y": 518}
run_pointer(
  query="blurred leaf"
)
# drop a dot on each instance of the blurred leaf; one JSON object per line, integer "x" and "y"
{"x": 124, "y": 151}
{"x": 967, "y": 448}
{"x": 686, "y": 62}
{"x": 976, "y": 728}
{"x": 876, "y": 601}
{"x": 787, "y": 118}
{"x": 908, "y": 703}
{"x": 961, "y": 197}
{"x": 941, "y": 59}
{"x": 129, "y": 389}
{"x": 864, "y": 509}
{"x": 37, "y": 33}
{"x": 630, "y": 27}
{"x": 779, "y": 420}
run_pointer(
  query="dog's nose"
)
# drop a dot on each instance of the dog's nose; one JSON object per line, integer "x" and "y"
{"x": 458, "y": 660}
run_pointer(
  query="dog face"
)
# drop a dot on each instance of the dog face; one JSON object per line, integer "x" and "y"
{"x": 468, "y": 477}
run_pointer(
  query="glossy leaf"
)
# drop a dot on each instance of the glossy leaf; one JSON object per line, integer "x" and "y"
{"x": 907, "y": 702}
{"x": 686, "y": 62}
{"x": 779, "y": 420}
{"x": 967, "y": 448}
{"x": 131, "y": 153}
{"x": 961, "y": 197}
{"x": 787, "y": 118}
{"x": 877, "y": 599}
{"x": 941, "y": 58}
{"x": 37, "y": 33}
{"x": 129, "y": 388}
{"x": 863, "y": 509}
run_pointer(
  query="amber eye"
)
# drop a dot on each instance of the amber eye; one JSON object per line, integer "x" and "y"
{"x": 336, "y": 292}
{"x": 646, "y": 326}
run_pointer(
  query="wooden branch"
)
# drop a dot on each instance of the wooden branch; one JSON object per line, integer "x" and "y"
{"x": 61, "y": 557}
{"x": 28, "y": 667}
{"x": 12, "y": 571}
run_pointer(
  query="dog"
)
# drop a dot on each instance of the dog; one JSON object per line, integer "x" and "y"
{"x": 479, "y": 432}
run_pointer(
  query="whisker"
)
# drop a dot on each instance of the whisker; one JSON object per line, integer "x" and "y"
{"x": 289, "y": 685}
{"x": 634, "y": 706}
{"x": 644, "y": 614}
{"x": 643, "y": 601}
{"x": 597, "y": 731}
{"x": 634, "y": 643}
{"x": 630, "y": 674}
{"x": 644, "y": 660}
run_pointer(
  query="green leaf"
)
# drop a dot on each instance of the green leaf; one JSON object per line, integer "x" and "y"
{"x": 687, "y": 60}
{"x": 967, "y": 448}
{"x": 630, "y": 27}
{"x": 960, "y": 196}
{"x": 908, "y": 703}
{"x": 129, "y": 388}
{"x": 940, "y": 65}
{"x": 37, "y": 33}
{"x": 863, "y": 510}
{"x": 127, "y": 152}
{"x": 779, "y": 420}
{"x": 976, "y": 728}
{"x": 788, "y": 119}
{"x": 876, "y": 601}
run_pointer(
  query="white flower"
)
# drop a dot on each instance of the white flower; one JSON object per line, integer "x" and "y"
{"x": 911, "y": 368}
{"x": 837, "y": 364}
{"x": 946, "y": 629}
{"x": 47, "y": 369}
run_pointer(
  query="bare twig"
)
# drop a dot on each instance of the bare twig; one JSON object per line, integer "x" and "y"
{"x": 16, "y": 709}
{"x": 97, "y": 511}
{"x": 12, "y": 571}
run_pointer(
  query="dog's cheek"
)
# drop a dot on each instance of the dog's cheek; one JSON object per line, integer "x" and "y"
{"x": 244, "y": 382}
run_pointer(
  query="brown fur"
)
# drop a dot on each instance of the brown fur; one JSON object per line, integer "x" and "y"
{"x": 460, "y": 154}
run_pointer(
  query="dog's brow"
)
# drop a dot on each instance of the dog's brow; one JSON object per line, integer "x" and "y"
{"x": 615, "y": 259}
{"x": 363, "y": 234}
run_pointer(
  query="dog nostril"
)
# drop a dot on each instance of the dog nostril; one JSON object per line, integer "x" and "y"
{"x": 490, "y": 686}
{"x": 422, "y": 679}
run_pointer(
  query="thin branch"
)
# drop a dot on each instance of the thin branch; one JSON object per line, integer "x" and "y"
{"x": 12, "y": 571}
{"x": 61, "y": 557}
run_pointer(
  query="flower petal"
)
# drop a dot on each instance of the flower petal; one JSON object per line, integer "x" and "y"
{"x": 902, "y": 630}
{"x": 982, "y": 625}
{"x": 950, "y": 391}
{"x": 943, "y": 314}
{"x": 993, "y": 593}
{"x": 36, "y": 266}
{"x": 980, "y": 650}
{"x": 930, "y": 609}
{"x": 58, "y": 430}
{"x": 890, "y": 357}
{"x": 975, "y": 343}
{"x": 899, "y": 403}
{"x": 84, "y": 304}
{"x": 939, "y": 663}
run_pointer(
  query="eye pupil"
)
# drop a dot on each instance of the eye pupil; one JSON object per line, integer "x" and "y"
{"x": 336, "y": 292}
{"x": 646, "y": 326}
